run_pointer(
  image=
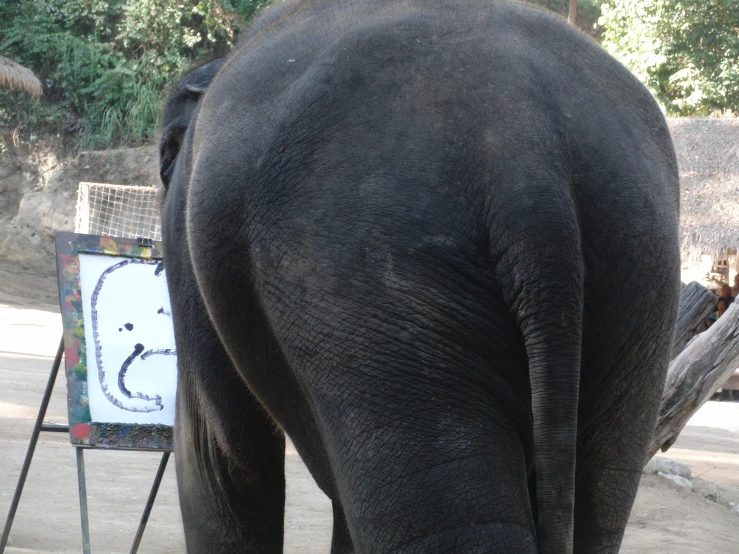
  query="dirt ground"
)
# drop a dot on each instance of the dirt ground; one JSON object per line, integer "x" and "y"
{"x": 665, "y": 519}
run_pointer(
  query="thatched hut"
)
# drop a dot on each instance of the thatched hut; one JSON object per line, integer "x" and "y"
{"x": 15, "y": 76}
{"x": 708, "y": 157}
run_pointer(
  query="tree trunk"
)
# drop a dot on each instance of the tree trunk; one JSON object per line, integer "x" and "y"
{"x": 692, "y": 378}
{"x": 696, "y": 302}
{"x": 572, "y": 14}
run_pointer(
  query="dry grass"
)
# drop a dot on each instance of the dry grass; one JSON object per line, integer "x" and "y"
{"x": 708, "y": 157}
{"x": 15, "y": 76}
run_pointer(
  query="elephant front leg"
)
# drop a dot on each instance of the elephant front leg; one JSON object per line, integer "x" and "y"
{"x": 230, "y": 456}
{"x": 232, "y": 494}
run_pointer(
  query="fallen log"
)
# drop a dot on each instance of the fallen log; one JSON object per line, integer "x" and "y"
{"x": 692, "y": 378}
{"x": 696, "y": 302}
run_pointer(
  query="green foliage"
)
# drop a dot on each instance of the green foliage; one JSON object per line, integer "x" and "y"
{"x": 105, "y": 64}
{"x": 685, "y": 51}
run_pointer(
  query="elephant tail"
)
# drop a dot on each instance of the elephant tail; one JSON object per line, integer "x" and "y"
{"x": 542, "y": 276}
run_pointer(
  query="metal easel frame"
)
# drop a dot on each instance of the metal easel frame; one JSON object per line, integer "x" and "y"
{"x": 53, "y": 428}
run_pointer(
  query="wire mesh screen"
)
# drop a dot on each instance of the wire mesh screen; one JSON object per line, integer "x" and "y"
{"x": 117, "y": 211}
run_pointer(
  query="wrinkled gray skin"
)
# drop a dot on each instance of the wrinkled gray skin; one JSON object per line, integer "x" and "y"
{"x": 436, "y": 244}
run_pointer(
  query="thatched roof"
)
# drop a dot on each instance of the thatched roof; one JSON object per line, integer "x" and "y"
{"x": 708, "y": 157}
{"x": 15, "y": 76}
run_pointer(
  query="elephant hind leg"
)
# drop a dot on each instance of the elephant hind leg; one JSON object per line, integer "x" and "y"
{"x": 610, "y": 461}
{"x": 618, "y": 413}
{"x": 415, "y": 475}
{"x": 498, "y": 538}
{"x": 608, "y": 473}
{"x": 627, "y": 338}
{"x": 341, "y": 540}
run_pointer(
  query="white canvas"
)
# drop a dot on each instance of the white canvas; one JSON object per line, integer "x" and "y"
{"x": 131, "y": 361}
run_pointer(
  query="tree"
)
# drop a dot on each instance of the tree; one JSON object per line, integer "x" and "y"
{"x": 106, "y": 64}
{"x": 685, "y": 51}
{"x": 699, "y": 366}
{"x": 588, "y": 12}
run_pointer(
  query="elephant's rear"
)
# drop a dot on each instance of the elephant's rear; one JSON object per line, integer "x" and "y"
{"x": 429, "y": 208}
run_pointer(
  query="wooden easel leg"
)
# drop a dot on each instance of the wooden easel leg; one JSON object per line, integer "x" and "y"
{"x": 150, "y": 503}
{"x": 83, "y": 501}
{"x": 32, "y": 446}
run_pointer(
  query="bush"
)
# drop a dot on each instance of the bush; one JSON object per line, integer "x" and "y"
{"x": 105, "y": 64}
{"x": 684, "y": 51}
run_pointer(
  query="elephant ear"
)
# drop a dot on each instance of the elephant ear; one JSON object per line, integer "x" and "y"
{"x": 179, "y": 112}
{"x": 195, "y": 89}
{"x": 169, "y": 149}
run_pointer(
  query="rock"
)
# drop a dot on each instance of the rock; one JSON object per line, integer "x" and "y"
{"x": 671, "y": 467}
{"x": 706, "y": 489}
{"x": 651, "y": 466}
{"x": 734, "y": 508}
{"x": 716, "y": 493}
{"x": 677, "y": 480}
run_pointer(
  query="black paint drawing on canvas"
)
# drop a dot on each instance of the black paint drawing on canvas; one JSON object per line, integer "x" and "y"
{"x": 137, "y": 317}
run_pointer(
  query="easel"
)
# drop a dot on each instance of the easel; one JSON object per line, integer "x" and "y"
{"x": 53, "y": 428}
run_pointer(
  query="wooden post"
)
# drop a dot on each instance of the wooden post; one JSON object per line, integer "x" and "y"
{"x": 696, "y": 302}
{"x": 692, "y": 378}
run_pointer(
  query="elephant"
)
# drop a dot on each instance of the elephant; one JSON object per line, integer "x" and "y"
{"x": 435, "y": 244}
